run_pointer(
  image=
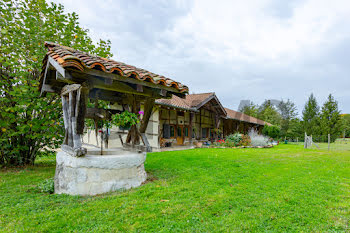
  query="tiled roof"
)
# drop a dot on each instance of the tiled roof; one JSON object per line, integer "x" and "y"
{"x": 196, "y": 99}
{"x": 69, "y": 57}
{"x": 189, "y": 103}
{"x": 193, "y": 100}
{"x": 176, "y": 102}
{"x": 232, "y": 114}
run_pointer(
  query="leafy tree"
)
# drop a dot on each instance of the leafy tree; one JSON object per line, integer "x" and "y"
{"x": 310, "y": 116}
{"x": 288, "y": 113}
{"x": 267, "y": 112}
{"x": 272, "y": 131}
{"x": 330, "y": 119}
{"x": 250, "y": 110}
{"x": 29, "y": 123}
{"x": 346, "y": 124}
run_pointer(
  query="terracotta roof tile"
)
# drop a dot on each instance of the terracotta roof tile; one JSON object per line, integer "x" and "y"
{"x": 188, "y": 103}
{"x": 69, "y": 57}
{"x": 232, "y": 114}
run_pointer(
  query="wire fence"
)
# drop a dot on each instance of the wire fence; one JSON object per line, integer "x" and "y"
{"x": 320, "y": 142}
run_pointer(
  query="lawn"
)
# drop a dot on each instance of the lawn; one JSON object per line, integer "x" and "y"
{"x": 286, "y": 188}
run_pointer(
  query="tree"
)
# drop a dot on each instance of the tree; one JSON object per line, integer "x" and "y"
{"x": 295, "y": 130}
{"x": 288, "y": 113}
{"x": 311, "y": 116}
{"x": 272, "y": 131}
{"x": 331, "y": 122}
{"x": 346, "y": 124}
{"x": 250, "y": 110}
{"x": 30, "y": 123}
{"x": 267, "y": 112}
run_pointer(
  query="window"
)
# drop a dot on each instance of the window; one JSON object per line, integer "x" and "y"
{"x": 172, "y": 131}
{"x": 166, "y": 131}
{"x": 186, "y": 131}
{"x": 179, "y": 131}
{"x": 204, "y": 132}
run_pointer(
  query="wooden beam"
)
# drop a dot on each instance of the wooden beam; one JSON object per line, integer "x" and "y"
{"x": 115, "y": 86}
{"x": 97, "y": 113}
{"x": 146, "y": 143}
{"x": 139, "y": 87}
{"x": 106, "y": 95}
{"x": 129, "y": 80}
{"x": 63, "y": 72}
{"x": 190, "y": 127}
{"x": 148, "y": 107}
{"x": 163, "y": 92}
{"x": 69, "y": 88}
{"x": 47, "y": 88}
{"x": 44, "y": 81}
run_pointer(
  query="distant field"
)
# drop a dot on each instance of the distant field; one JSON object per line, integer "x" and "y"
{"x": 283, "y": 189}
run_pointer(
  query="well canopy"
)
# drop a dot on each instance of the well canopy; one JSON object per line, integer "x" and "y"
{"x": 65, "y": 58}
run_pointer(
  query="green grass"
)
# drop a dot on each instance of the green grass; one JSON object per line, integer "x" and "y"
{"x": 283, "y": 189}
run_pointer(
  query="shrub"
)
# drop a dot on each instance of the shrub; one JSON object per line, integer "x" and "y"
{"x": 272, "y": 131}
{"x": 47, "y": 186}
{"x": 245, "y": 141}
{"x": 234, "y": 138}
{"x": 258, "y": 140}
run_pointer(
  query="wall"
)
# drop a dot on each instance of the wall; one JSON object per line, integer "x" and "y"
{"x": 152, "y": 132}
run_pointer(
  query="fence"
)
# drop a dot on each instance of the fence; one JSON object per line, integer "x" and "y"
{"x": 322, "y": 142}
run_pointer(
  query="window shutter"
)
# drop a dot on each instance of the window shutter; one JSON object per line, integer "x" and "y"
{"x": 166, "y": 131}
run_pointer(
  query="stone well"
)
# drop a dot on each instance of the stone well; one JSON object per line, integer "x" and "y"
{"x": 96, "y": 174}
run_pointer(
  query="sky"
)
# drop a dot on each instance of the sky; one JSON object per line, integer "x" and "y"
{"x": 252, "y": 49}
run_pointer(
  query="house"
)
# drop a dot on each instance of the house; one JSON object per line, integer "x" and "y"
{"x": 184, "y": 121}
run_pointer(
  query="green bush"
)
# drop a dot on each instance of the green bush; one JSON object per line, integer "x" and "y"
{"x": 234, "y": 139}
{"x": 272, "y": 131}
{"x": 47, "y": 186}
{"x": 125, "y": 119}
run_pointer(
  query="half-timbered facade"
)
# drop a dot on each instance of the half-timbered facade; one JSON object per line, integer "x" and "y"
{"x": 177, "y": 122}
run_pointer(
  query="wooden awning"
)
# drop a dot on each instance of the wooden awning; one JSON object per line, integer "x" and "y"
{"x": 64, "y": 65}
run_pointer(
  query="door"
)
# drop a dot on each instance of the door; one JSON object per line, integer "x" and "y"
{"x": 180, "y": 135}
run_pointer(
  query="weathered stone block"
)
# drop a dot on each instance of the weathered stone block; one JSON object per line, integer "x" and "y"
{"x": 96, "y": 174}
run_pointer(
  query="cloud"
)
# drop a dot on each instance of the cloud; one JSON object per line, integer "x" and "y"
{"x": 254, "y": 49}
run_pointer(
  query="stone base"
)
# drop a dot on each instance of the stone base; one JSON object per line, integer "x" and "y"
{"x": 97, "y": 174}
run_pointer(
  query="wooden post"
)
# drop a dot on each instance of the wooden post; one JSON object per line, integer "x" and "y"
{"x": 121, "y": 139}
{"x": 74, "y": 109}
{"x": 65, "y": 119}
{"x": 177, "y": 125}
{"x": 329, "y": 141}
{"x": 305, "y": 141}
{"x": 190, "y": 128}
{"x": 200, "y": 124}
{"x": 310, "y": 141}
{"x": 101, "y": 141}
{"x": 148, "y": 107}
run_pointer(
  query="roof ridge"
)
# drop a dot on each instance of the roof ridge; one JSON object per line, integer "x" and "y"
{"x": 202, "y": 93}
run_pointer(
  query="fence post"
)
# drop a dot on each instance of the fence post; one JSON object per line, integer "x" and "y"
{"x": 329, "y": 141}
{"x": 310, "y": 142}
{"x": 305, "y": 139}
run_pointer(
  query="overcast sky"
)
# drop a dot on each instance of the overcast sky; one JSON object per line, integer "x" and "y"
{"x": 255, "y": 50}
